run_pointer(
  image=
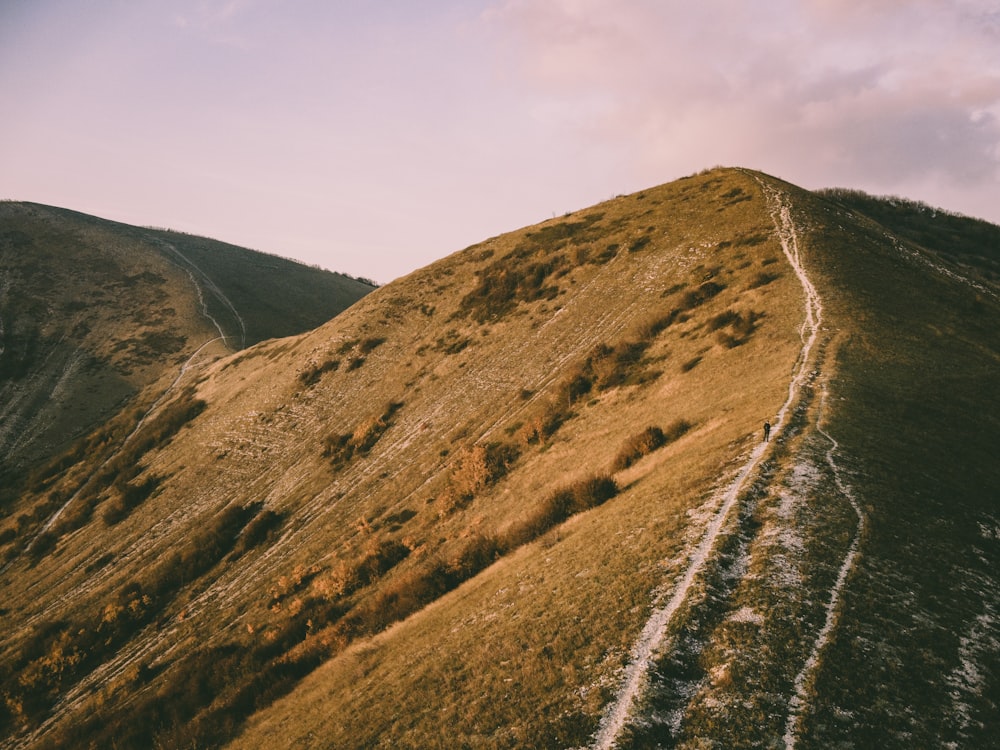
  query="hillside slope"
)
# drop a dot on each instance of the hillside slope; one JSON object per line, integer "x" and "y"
{"x": 92, "y": 312}
{"x": 520, "y": 499}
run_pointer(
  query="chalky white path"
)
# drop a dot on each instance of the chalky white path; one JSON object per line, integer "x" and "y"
{"x": 807, "y": 675}
{"x": 653, "y": 633}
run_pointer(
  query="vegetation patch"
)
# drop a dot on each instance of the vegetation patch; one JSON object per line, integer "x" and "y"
{"x": 734, "y": 328}
{"x": 210, "y": 692}
{"x": 503, "y": 286}
{"x": 312, "y": 374}
{"x": 734, "y": 196}
{"x": 558, "y": 507}
{"x": 526, "y": 273}
{"x": 473, "y": 470}
{"x": 763, "y": 279}
{"x": 341, "y": 449}
{"x": 648, "y": 441}
{"x": 693, "y": 298}
{"x": 127, "y": 496}
{"x": 452, "y": 342}
{"x": 638, "y": 244}
{"x": 59, "y": 653}
{"x": 114, "y": 479}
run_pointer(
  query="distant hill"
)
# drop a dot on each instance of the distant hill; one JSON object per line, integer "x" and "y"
{"x": 521, "y": 497}
{"x": 94, "y": 311}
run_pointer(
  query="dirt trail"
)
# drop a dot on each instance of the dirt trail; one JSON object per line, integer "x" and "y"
{"x": 190, "y": 268}
{"x": 808, "y": 673}
{"x": 654, "y": 633}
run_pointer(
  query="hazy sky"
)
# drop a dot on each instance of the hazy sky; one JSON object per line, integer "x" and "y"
{"x": 373, "y": 137}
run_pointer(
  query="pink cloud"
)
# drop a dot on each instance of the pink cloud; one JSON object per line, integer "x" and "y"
{"x": 856, "y": 91}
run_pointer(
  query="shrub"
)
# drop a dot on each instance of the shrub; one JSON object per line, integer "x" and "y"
{"x": 638, "y": 244}
{"x": 505, "y": 284}
{"x": 741, "y": 327}
{"x": 346, "y": 578}
{"x": 654, "y": 326}
{"x": 371, "y": 344}
{"x": 763, "y": 279}
{"x": 474, "y": 469}
{"x": 648, "y": 441}
{"x": 638, "y": 446}
{"x": 452, "y": 342}
{"x": 693, "y": 298}
{"x": 311, "y": 375}
{"x": 126, "y": 497}
{"x": 558, "y": 507}
{"x": 341, "y": 449}
{"x": 259, "y": 530}
{"x": 203, "y": 551}
{"x": 691, "y": 364}
{"x": 751, "y": 240}
{"x": 675, "y": 430}
{"x": 605, "y": 255}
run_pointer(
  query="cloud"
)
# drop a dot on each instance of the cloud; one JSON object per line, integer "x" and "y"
{"x": 819, "y": 91}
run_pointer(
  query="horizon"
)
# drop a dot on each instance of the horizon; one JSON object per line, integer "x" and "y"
{"x": 374, "y": 141}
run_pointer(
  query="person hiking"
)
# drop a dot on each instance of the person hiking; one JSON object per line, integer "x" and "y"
{"x": 767, "y": 431}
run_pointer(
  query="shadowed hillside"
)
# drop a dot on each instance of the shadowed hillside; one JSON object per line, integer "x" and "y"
{"x": 92, "y": 312}
{"x": 520, "y": 498}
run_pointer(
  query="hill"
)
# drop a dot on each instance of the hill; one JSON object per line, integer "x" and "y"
{"x": 96, "y": 316}
{"x": 520, "y": 498}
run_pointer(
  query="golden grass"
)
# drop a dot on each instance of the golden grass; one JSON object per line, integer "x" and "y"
{"x": 526, "y": 652}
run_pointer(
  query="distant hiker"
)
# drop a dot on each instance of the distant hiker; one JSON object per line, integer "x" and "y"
{"x": 767, "y": 431}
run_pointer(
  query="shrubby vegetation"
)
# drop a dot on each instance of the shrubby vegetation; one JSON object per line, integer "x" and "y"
{"x": 209, "y": 692}
{"x": 59, "y": 653}
{"x": 114, "y": 482}
{"x": 526, "y": 273}
{"x": 946, "y": 232}
{"x": 312, "y": 374}
{"x": 474, "y": 469}
{"x": 341, "y": 449}
{"x": 734, "y": 328}
{"x": 558, "y": 507}
{"x": 361, "y": 347}
{"x": 648, "y": 441}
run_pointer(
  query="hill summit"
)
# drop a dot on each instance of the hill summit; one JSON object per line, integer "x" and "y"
{"x": 523, "y": 498}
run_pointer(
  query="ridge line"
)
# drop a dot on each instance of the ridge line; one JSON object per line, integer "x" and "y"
{"x": 653, "y": 633}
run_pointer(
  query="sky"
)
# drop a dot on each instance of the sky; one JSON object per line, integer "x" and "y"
{"x": 373, "y": 137}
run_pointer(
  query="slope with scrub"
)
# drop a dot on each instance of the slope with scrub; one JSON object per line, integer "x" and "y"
{"x": 445, "y": 517}
{"x": 92, "y": 312}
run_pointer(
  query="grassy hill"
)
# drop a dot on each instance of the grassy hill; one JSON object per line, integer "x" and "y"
{"x": 96, "y": 315}
{"x": 478, "y": 505}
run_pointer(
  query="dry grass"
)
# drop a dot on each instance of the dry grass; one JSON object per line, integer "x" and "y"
{"x": 624, "y": 325}
{"x": 442, "y": 587}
